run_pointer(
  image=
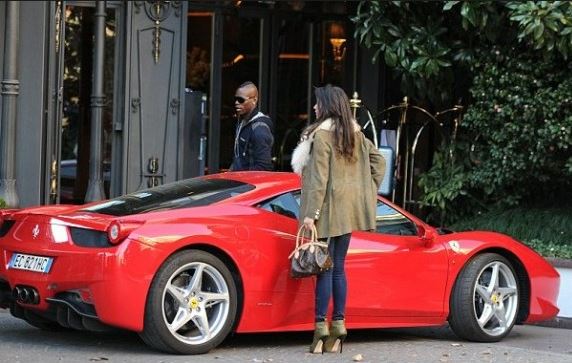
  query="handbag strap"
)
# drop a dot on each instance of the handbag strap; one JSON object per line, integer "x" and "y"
{"x": 300, "y": 244}
{"x": 301, "y": 234}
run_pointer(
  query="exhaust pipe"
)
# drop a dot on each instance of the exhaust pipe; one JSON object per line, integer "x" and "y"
{"x": 22, "y": 295}
{"x": 26, "y": 295}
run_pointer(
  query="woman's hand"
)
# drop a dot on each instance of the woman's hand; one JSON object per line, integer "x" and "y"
{"x": 308, "y": 223}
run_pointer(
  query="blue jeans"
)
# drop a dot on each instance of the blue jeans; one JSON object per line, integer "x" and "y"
{"x": 333, "y": 282}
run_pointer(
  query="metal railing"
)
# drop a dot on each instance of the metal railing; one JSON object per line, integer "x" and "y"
{"x": 411, "y": 124}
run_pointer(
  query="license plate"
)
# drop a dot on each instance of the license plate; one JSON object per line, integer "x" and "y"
{"x": 21, "y": 261}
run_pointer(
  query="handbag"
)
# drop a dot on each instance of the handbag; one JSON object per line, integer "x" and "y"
{"x": 309, "y": 258}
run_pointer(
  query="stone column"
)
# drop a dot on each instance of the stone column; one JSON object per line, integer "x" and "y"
{"x": 10, "y": 91}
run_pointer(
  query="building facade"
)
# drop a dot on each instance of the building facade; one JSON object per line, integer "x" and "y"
{"x": 105, "y": 98}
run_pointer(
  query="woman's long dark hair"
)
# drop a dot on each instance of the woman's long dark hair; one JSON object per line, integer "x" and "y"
{"x": 333, "y": 103}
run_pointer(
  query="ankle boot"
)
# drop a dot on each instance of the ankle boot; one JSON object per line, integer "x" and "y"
{"x": 321, "y": 333}
{"x": 338, "y": 334}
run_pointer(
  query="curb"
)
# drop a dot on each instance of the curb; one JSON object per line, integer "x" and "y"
{"x": 559, "y": 262}
{"x": 557, "y": 322}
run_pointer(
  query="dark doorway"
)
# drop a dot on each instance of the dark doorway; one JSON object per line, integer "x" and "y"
{"x": 286, "y": 48}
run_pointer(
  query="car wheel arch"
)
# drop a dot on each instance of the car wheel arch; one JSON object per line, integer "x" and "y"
{"x": 228, "y": 261}
{"x": 522, "y": 277}
{"x": 222, "y": 280}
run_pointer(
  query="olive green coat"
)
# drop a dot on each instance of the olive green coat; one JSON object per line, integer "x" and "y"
{"x": 338, "y": 194}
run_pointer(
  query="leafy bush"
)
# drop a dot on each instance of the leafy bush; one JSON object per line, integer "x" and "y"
{"x": 548, "y": 230}
{"x": 546, "y": 25}
{"x": 550, "y": 249}
{"x": 445, "y": 186}
{"x": 2, "y": 203}
{"x": 428, "y": 44}
{"x": 518, "y": 127}
{"x": 413, "y": 40}
{"x": 520, "y": 122}
{"x": 515, "y": 144}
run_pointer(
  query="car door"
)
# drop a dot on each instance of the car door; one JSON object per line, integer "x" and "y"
{"x": 290, "y": 301}
{"x": 392, "y": 272}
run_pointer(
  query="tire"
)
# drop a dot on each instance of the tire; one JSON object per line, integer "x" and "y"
{"x": 485, "y": 298}
{"x": 191, "y": 305}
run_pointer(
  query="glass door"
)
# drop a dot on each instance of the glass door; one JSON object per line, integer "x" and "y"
{"x": 310, "y": 53}
{"x": 75, "y": 97}
{"x": 223, "y": 51}
{"x": 293, "y": 62}
{"x": 240, "y": 63}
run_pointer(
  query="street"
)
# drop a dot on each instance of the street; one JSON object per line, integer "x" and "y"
{"x": 23, "y": 343}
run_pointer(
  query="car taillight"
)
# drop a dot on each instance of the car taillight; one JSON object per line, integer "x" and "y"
{"x": 118, "y": 231}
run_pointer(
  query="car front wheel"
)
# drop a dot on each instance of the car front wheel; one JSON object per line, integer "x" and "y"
{"x": 192, "y": 304}
{"x": 484, "y": 302}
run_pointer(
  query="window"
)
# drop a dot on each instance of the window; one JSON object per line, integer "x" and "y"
{"x": 390, "y": 221}
{"x": 181, "y": 194}
{"x": 287, "y": 204}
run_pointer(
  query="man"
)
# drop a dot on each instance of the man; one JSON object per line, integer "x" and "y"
{"x": 253, "y": 141}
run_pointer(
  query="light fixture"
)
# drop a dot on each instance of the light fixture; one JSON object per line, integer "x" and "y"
{"x": 338, "y": 48}
{"x": 237, "y": 59}
{"x": 338, "y": 40}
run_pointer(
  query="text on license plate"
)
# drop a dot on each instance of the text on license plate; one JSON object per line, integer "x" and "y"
{"x": 31, "y": 263}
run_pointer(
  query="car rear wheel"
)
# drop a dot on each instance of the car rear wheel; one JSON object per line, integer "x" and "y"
{"x": 484, "y": 302}
{"x": 192, "y": 304}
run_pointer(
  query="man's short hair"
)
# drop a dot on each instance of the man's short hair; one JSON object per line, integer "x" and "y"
{"x": 247, "y": 83}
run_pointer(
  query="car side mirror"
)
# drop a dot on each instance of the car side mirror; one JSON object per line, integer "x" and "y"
{"x": 426, "y": 234}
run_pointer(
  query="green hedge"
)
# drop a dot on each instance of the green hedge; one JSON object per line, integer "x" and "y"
{"x": 514, "y": 145}
{"x": 547, "y": 230}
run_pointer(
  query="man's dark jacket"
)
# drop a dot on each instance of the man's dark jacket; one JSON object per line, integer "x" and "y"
{"x": 253, "y": 143}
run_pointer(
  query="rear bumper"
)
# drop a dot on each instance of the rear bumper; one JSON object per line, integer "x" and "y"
{"x": 110, "y": 284}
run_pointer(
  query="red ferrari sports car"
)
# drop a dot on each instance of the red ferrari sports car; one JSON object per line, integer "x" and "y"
{"x": 185, "y": 264}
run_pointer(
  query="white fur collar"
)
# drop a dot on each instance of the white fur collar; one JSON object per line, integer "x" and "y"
{"x": 327, "y": 125}
{"x": 301, "y": 153}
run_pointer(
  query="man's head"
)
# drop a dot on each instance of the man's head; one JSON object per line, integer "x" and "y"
{"x": 245, "y": 99}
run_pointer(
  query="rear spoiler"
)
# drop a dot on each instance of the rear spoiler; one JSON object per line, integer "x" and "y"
{"x": 6, "y": 214}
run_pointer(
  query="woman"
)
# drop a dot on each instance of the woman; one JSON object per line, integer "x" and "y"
{"x": 341, "y": 173}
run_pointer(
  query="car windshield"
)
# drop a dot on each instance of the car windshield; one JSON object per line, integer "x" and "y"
{"x": 182, "y": 194}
